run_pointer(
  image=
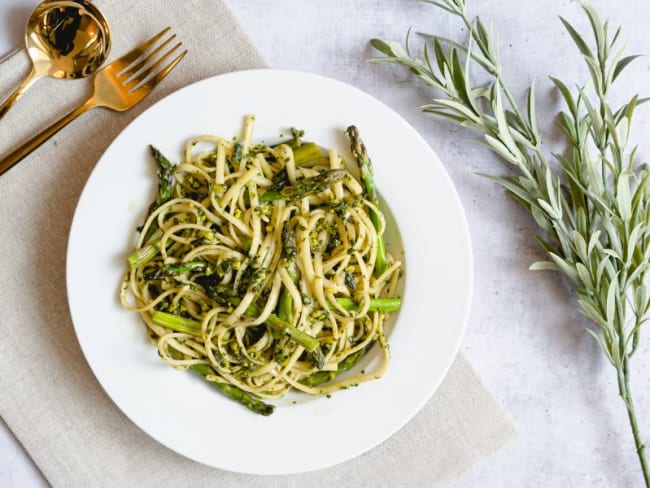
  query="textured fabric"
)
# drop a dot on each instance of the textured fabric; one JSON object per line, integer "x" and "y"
{"x": 51, "y": 400}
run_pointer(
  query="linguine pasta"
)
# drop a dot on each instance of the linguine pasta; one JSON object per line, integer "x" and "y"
{"x": 263, "y": 268}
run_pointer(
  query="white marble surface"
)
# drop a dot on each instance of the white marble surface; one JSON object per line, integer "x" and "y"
{"x": 524, "y": 338}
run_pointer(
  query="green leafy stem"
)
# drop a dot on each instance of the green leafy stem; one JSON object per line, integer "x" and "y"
{"x": 593, "y": 206}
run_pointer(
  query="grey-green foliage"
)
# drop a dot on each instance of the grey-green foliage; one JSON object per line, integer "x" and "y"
{"x": 594, "y": 211}
{"x": 593, "y": 205}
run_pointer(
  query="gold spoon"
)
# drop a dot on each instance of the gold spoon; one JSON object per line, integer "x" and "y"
{"x": 66, "y": 39}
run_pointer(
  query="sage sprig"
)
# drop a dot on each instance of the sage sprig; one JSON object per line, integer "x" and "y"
{"x": 592, "y": 204}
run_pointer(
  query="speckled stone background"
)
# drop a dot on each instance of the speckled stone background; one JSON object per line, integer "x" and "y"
{"x": 525, "y": 338}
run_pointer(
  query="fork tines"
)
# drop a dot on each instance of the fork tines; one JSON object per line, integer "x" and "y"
{"x": 144, "y": 64}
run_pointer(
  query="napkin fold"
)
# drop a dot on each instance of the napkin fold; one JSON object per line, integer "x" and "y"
{"x": 50, "y": 398}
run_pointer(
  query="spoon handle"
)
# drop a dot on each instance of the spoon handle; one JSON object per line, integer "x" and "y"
{"x": 18, "y": 154}
{"x": 22, "y": 88}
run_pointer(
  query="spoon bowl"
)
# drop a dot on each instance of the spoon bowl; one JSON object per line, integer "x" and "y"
{"x": 66, "y": 39}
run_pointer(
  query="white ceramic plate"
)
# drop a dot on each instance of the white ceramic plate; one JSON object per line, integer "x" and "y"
{"x": 183, "y": 412}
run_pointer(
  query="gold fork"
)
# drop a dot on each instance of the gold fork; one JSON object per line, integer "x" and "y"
{"x": 118, "y": 86}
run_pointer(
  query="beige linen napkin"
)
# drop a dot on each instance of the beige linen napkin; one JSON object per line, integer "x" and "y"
{"x": 50, "y": 399}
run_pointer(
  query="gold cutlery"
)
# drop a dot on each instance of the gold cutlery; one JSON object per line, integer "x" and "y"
{"x": 67, "y": 39}
{"x": 117, "y": 86}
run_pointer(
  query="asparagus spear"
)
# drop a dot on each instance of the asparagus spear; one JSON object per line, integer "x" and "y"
{"x": 246, "y": 399}
{"x": 177, "y": 323}
{"x": 165, "y": 172}
{"x": 193, "y": 327}
{"x": 391, "y": 304}
{"x": 305, "y": 186}
{"x": 365, "y": 167}
{"x": 307, "y": 153}
{"x": 349, "y": 362}
{"x": 249, "y": 401}
{"x": 289, "y": 250}
{"x": 310, "y": 343}
{"x": 165, "y": 178}
{"x": 376, "y": 304}
{"x": 285, "y": 305}
{"x": 225, "y": 295}
{"x": 143, "y": 255}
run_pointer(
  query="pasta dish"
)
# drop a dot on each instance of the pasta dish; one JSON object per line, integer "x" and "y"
{"x": 263, "y": 268}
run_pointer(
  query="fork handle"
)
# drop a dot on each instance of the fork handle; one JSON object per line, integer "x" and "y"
{"x": 18, "y": 154}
